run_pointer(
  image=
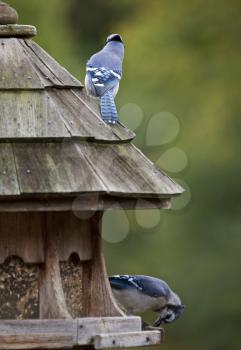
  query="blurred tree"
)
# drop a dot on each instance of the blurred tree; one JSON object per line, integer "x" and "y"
{"x": 93, "y": 20}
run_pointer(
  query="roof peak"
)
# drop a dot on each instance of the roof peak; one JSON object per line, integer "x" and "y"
{"x": 8, "y": 15}
{"x": 8, "y": 24}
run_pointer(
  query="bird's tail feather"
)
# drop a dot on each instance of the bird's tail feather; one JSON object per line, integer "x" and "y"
{"x": 108, "y": 109}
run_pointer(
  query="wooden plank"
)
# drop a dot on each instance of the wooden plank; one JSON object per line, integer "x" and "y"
{"x": 21, "y": 239}
{"x": 122, "y": 133}
{"x": 74, "y": 235}
{"x": 16, "y": 70}
{"x": 71, "y": 168}
{"x": 45, "y": 74}
{"x": 30, "y": 114}
{"x": 36, "y": 334}
{"x": 51, "y": 334}
{"x": 127, "y": 339}
{"x": 52, "y": 302}
{"x": 89, "y": 327}
{"x": 98, "y": 299}
{"x": 16, "y": 30}
{"x": 124, "y": 170}
{"x": 79, "y": 203}
{"x": 60, "y": 72}
{"x": 8, "y": 176}
{"x": 54, "y": 168}
{"x": 82, "y": 122}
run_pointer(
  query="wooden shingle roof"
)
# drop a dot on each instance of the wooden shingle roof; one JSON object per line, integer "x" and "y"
{"x": 53, "y": 141}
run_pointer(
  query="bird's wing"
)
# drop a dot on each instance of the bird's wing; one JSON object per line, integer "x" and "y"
{"x": 150, "y": 286}
{"x": 103, "y": 79}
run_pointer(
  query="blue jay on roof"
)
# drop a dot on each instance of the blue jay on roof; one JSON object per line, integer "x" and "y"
{"x": 103, "y": 73}
{"x": 141, "y": 293}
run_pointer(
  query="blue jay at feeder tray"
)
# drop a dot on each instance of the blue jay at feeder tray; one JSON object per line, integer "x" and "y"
{"x": 141, "y": 293}
{"x": 103, "y": 73}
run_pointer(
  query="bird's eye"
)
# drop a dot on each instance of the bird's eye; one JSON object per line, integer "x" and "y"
{"x": 170, "y": 317}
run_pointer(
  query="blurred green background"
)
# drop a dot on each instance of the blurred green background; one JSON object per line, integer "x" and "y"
{"x": 182, "y": 58}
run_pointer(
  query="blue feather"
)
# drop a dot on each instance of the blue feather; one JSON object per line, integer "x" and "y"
{"x": 108, "y": 108}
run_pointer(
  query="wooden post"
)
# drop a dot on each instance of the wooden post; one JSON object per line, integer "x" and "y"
{"x": 52, "y": 300}
{"x": 98, "y": 297}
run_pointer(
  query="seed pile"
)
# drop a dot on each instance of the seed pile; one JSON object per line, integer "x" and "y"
{"x": 18, "y": 290}
{"x": 71, "y": 274}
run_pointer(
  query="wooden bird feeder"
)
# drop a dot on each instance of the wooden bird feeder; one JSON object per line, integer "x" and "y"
{"x": 61, "y": 167}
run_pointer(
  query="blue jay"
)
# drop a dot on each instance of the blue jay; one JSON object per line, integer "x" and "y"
{"x": 141, "y": 293}
{"x": 103, "y": 73}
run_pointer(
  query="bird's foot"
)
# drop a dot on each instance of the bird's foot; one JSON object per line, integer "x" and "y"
{"x": 148, "y": 327}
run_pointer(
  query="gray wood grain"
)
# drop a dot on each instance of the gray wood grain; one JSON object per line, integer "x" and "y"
{"x": 74, "y": 235}
{"x": 36, "y": 334}
{"x": 80, "y": 119}
{"x": 16, "y": 70}
{"x": 98, "y": 299}
{"x": 60, "y": 72}
{"x": 124, "y": 170}
{"x": 122, "y": 133}
{"x": 21, "y": 234}
{"x": 80, "y": 168}
{"x": 52, "y": 302}
{"x": 54, "y": 168}
{"x": 30, "y": 114}
{"x": 82, "y": 202}
{"x": 127, "y": 339}
{"x": 89, "y": 327}
{"x": 8, "y": 176}
{"x": 103, "y": 332}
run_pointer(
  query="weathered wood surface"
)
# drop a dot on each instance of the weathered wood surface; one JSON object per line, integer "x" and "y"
{"x": 50, "y": 334}
{"x": 121, "y": 133}
{"x": 98, "y": 299}
{"x": 24, "y": 65}
{"x": 8, "y": 175}
{"x": 17, "y": 31}
{"x": 124, "y": 170}
{"x": 46, "y": 76}
{"x": 83, "y": 202}
{"x": 74, "y": 235}
{"x": 21, "y": 234}
{"x": 36, "y": 334}
{"x": 30, "y": 115}
{"x": 52, "y": 300}
{"x": 79, "y": 118}
{"x": 54, "y": 168}
{"x": 16, "y": 70}
{"x": 54, "y": 115}
{"x": 64, "y": 77}
{"x": 127, "y": 339}
{"x": 89, "y": 327}
{"x": 80, "y": 168}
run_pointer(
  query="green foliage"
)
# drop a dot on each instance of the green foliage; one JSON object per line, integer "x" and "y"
{"x": 184, "y": 58}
